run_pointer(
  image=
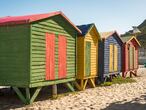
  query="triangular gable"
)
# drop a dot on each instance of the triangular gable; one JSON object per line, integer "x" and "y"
{"x": 94, "y": 29}
{"x": 128, "y": 38}
{"x": 12, "y": 20}
{"x": 133, "y": 37}
{"x": 105, "y": 35}
{"x": 87, "y": 29}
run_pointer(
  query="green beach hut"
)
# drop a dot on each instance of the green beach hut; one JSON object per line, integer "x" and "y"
{"x": 35, "y": 51}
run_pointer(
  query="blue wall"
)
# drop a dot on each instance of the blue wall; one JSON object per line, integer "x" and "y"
{"x": 108, "y": 41}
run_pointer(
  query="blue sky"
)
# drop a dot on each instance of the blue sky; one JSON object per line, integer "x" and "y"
{"x": 108, "y": 15}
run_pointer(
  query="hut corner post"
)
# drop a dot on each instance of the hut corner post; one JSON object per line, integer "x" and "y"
{"x": 69, "y": 85}
{"x": 124, "y": 74}
{"x": 54, "y": 89}
{"x": 28, "y": 98}
{"x": 134, "y": 73}
{"x": 83, "y": 83}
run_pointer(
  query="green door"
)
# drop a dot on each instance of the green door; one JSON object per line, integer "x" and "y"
{"x": 131, "y": 57}
{"x": 88, "y": 59}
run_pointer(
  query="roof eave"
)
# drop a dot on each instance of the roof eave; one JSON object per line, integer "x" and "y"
{"x": 113, "y": 34}
{"x": 78, "y": 30}
{"x": 133, "y": 37}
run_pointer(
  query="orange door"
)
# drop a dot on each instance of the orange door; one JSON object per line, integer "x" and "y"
{"x": 50, "y": 55}
{"x": 62, "y": 56}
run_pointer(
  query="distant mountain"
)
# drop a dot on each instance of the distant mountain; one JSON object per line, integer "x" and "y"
{"x": 142, "y": 37}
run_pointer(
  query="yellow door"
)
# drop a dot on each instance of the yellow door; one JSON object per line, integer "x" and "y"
{"x": 115, "y": 58}
{"x": 111, "y": 58}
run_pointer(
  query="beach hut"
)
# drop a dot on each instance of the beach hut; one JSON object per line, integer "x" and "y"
{"x": 35, "y": 51}
{"x": 130, "y": 55}
{"x": 87, "y": 55}
{"x": 109, "y": 55}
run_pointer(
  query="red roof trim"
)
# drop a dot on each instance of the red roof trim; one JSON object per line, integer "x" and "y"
{"x": 31, "y": 18}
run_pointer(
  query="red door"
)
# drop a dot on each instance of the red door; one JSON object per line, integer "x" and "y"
{"x": 50, "y": 56}
{"x": 62, "y": 56}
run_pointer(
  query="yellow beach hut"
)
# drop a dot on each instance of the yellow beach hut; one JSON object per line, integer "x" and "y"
{"x": 87, "y": 56}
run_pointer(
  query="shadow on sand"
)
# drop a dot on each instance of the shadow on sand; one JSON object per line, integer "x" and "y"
{"x": 135, "y": 104}
{"x": 9, "y": 100}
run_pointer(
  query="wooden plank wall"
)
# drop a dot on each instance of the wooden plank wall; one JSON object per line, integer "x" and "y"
{"x": 115, "y": 58}
{"x": 101, "y": 60}
{"x": 80, "y": 57}
{"x": 126, "y": 58}
{"x": 134, "y": 45}
{"x": 136, "y": 55}
{"x": 14, "y": 55}
{"x": 93, "y": 38}
{"x": 58, "y": 26}
{"x": 107, "y": 42}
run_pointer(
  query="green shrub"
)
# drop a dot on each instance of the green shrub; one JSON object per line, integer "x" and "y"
{"x": 106, "y": 84}
{"x": 121, "y": 80}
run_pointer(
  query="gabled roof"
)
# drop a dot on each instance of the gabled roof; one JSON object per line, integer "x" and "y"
{"x": 105, "y": 35}
{"x": 85, "y": 28}
{"x": 128, "y": 38}
{"x": 12, "y": 20}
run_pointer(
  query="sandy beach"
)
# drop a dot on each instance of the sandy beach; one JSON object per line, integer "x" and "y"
{"x": 130, "y": 96}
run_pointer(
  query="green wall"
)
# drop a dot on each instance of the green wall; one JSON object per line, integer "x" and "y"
{"x": 57, "y": 25}
{"x": 22, "y": 52}
{"x": 14, "y": 55}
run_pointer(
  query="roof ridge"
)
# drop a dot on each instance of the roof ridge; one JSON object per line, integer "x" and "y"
{"x": 107, "y": 34}
{"x": 84, "y": 28}
{"x": 33, "y": 14}
{"x": 12, "y": 20}
{"x": 86, "y": 24}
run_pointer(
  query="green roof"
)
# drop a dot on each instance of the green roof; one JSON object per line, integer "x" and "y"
{"x": 126, "y": 38}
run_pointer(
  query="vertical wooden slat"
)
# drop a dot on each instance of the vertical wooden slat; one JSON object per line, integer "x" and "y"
{"x": 80, "y": 57}
{"x": 123, "y": 58}
{"x": 50, "y": 55}
{"x": 126, "y": 58}
{"x": 130, "y": 58}
{"x": 111, "y": 58}
{"x": 62, "y": 56}
{"x": 115, "y": 58}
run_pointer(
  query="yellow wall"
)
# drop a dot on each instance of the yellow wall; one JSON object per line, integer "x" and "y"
{"x": 80, "y": 57}
{"x": 93, "y": 38}
{"x": 115, "y": 58}
{"x": 111, "y": 56}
